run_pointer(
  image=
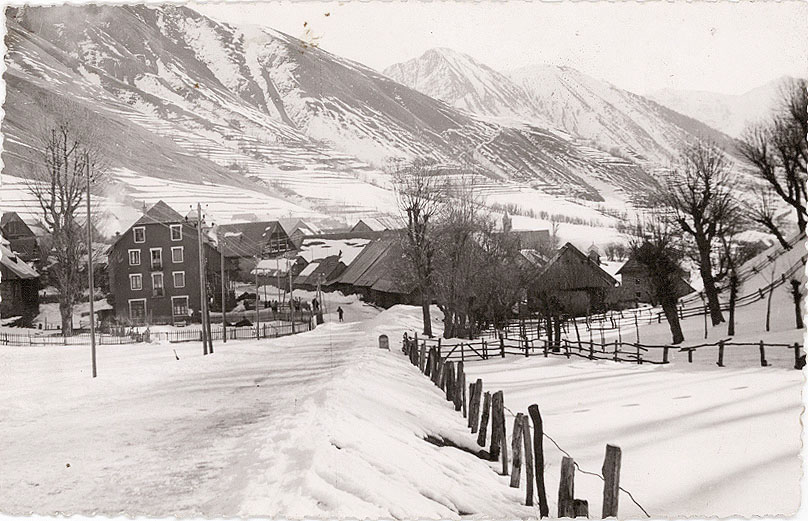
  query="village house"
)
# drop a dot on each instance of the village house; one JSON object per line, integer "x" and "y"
{"x": 298, "y": 229}
{"x": 377, "y": 274}
{"x": 245, "y": 244}
{"x": 323, "y": 272}
{"x": 572, "y": 283}
{"x": 636, "y": 287}
{"x": 21, "y": 238}
{"x": 154, "y": 269}
{"x": 375, "y": 224}
{"x": 19, "y": 286}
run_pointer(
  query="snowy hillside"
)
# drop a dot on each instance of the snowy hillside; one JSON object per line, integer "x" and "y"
{"x": 252, "y": 109}
{"x": 730, "y": 113}
{"x": 558, "y": 97}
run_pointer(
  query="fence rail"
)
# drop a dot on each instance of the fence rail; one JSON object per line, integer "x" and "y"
{"x": 617, "y": 351}
{"x": 134, "y": 337}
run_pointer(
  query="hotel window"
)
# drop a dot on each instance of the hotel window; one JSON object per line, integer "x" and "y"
{"x": 134, "y": 257}
{"x": 140, "y": 234}
{"x": 156, "y": 258}
{"x": 177, "y": 254}
{"x": 179, "y": 279}
{"x": 157, "y": 284}
{"x": 176, "y": 232}
{"x": 136, "y": 282}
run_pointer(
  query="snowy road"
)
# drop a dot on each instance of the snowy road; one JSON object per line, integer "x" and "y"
{"x": 319, "y": 424}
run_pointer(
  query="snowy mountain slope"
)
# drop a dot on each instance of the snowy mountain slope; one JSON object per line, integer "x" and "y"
{"x": 730, "y": 113}
{"x": 205, "y": 98}
{"x": 560, "y": 97}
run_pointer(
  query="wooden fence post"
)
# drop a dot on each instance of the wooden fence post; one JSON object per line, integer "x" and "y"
{"x": 484, "y": 419}
{"x": 639, "y": 355}
{"x": 528, "y": 463}
{"x": 422, "y": 359}
{"x": 720, "y": 353}
{"x": 577, "y": 334}
{"x": 474, "y": 406}
{"x": 516, "y": 450}
{"x": 538, "y": 450}
{"x": 449, "y": 381}
{"x": 497, "y": 419}
{"x": 428, "y": 365}
{"x": 501, "y": 347}
{"x": 591, "y": 350}
{"x": 460, "y": 385}
{"x": 637, "y": 327}
{"x": 465, "y": 398}
{"x": 763, "y": 362}
{"x": 799, "y": 361}
{"x": 566, "y": 488}
{"x": 611, "y": 481}
{"x": 665, "y": 355}
{"x": 462, "y": 353}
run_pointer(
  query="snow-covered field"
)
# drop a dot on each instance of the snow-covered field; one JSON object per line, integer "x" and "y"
{"x": 325, "y": 424}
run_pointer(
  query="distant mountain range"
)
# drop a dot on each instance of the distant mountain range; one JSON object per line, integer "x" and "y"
{"x": 732, "y": 113}
{"x": 253, "y": 120}
{"x": 611, "y": 118}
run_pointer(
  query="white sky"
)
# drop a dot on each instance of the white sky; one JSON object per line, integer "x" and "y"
{"x": 722, "y": 47}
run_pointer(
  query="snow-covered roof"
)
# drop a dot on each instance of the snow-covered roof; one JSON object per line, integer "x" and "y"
{"x": 19, "y": 268}
{"x": 313, "y": 248}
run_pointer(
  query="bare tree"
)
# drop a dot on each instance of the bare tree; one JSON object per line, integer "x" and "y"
{"x": 458, "y": 257}
{"x": 779, "y": 152}
{"x": 765, "y": 213}
{"x": 699, "y": 192}
{"x": 419, "y": 189}
{"x": 66, "y": 158}
{"x": 654, "y": 246}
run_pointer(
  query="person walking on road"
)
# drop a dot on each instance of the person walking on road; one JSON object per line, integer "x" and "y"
{"x": 340, "y": 313}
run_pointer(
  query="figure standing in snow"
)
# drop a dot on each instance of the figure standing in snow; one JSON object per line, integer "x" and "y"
{"x": 340, "y": 313}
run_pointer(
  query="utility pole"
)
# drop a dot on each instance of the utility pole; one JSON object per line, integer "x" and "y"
{"x": 257, "y": 311}
{"x": 90, "y": 266}
{"x": 291, "y": 301}
{"x": 208, "y": 304}
{"x": 202, "y": 288}
{"x": 224, "y": 293}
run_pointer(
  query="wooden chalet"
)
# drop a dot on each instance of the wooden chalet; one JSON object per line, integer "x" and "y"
{"x": 245, "y": 243}
{"x": 324, "y": 271}
{"x": 375, "y": 224}
{"x": 572, "y": 283}
{"x": 19, "y": 286}
{"x": 636, "y": 287}
{"x": 378, "y": 274}
{"x": 21, "y": 238}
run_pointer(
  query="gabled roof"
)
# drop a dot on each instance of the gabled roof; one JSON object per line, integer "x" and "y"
{"x": 559, "y": 276}
{"x": 247, "y": 239}
{"x": 377, "y": 224}
{"x": 378, "y": 267}
{"x": 19, "y": 268}
{"x": 630, "y": 265}
{"x": 9, "y": 217}
{"x": 161, "y": 213}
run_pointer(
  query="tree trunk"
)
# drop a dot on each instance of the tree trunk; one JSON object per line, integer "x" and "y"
{"x": 66, "y": 311}
{"x": 425, "y": 301}
{"x": 733, "y": 294}
{"x": 448, "y": 324}
{"x": 710, "y": 290}
{"x": 671, "y": 313}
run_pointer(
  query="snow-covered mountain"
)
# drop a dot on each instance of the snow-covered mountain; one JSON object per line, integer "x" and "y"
{"x": 610, "y": 118}
{"x": 730, "y": 113}
{"x": 183, "y": 98}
